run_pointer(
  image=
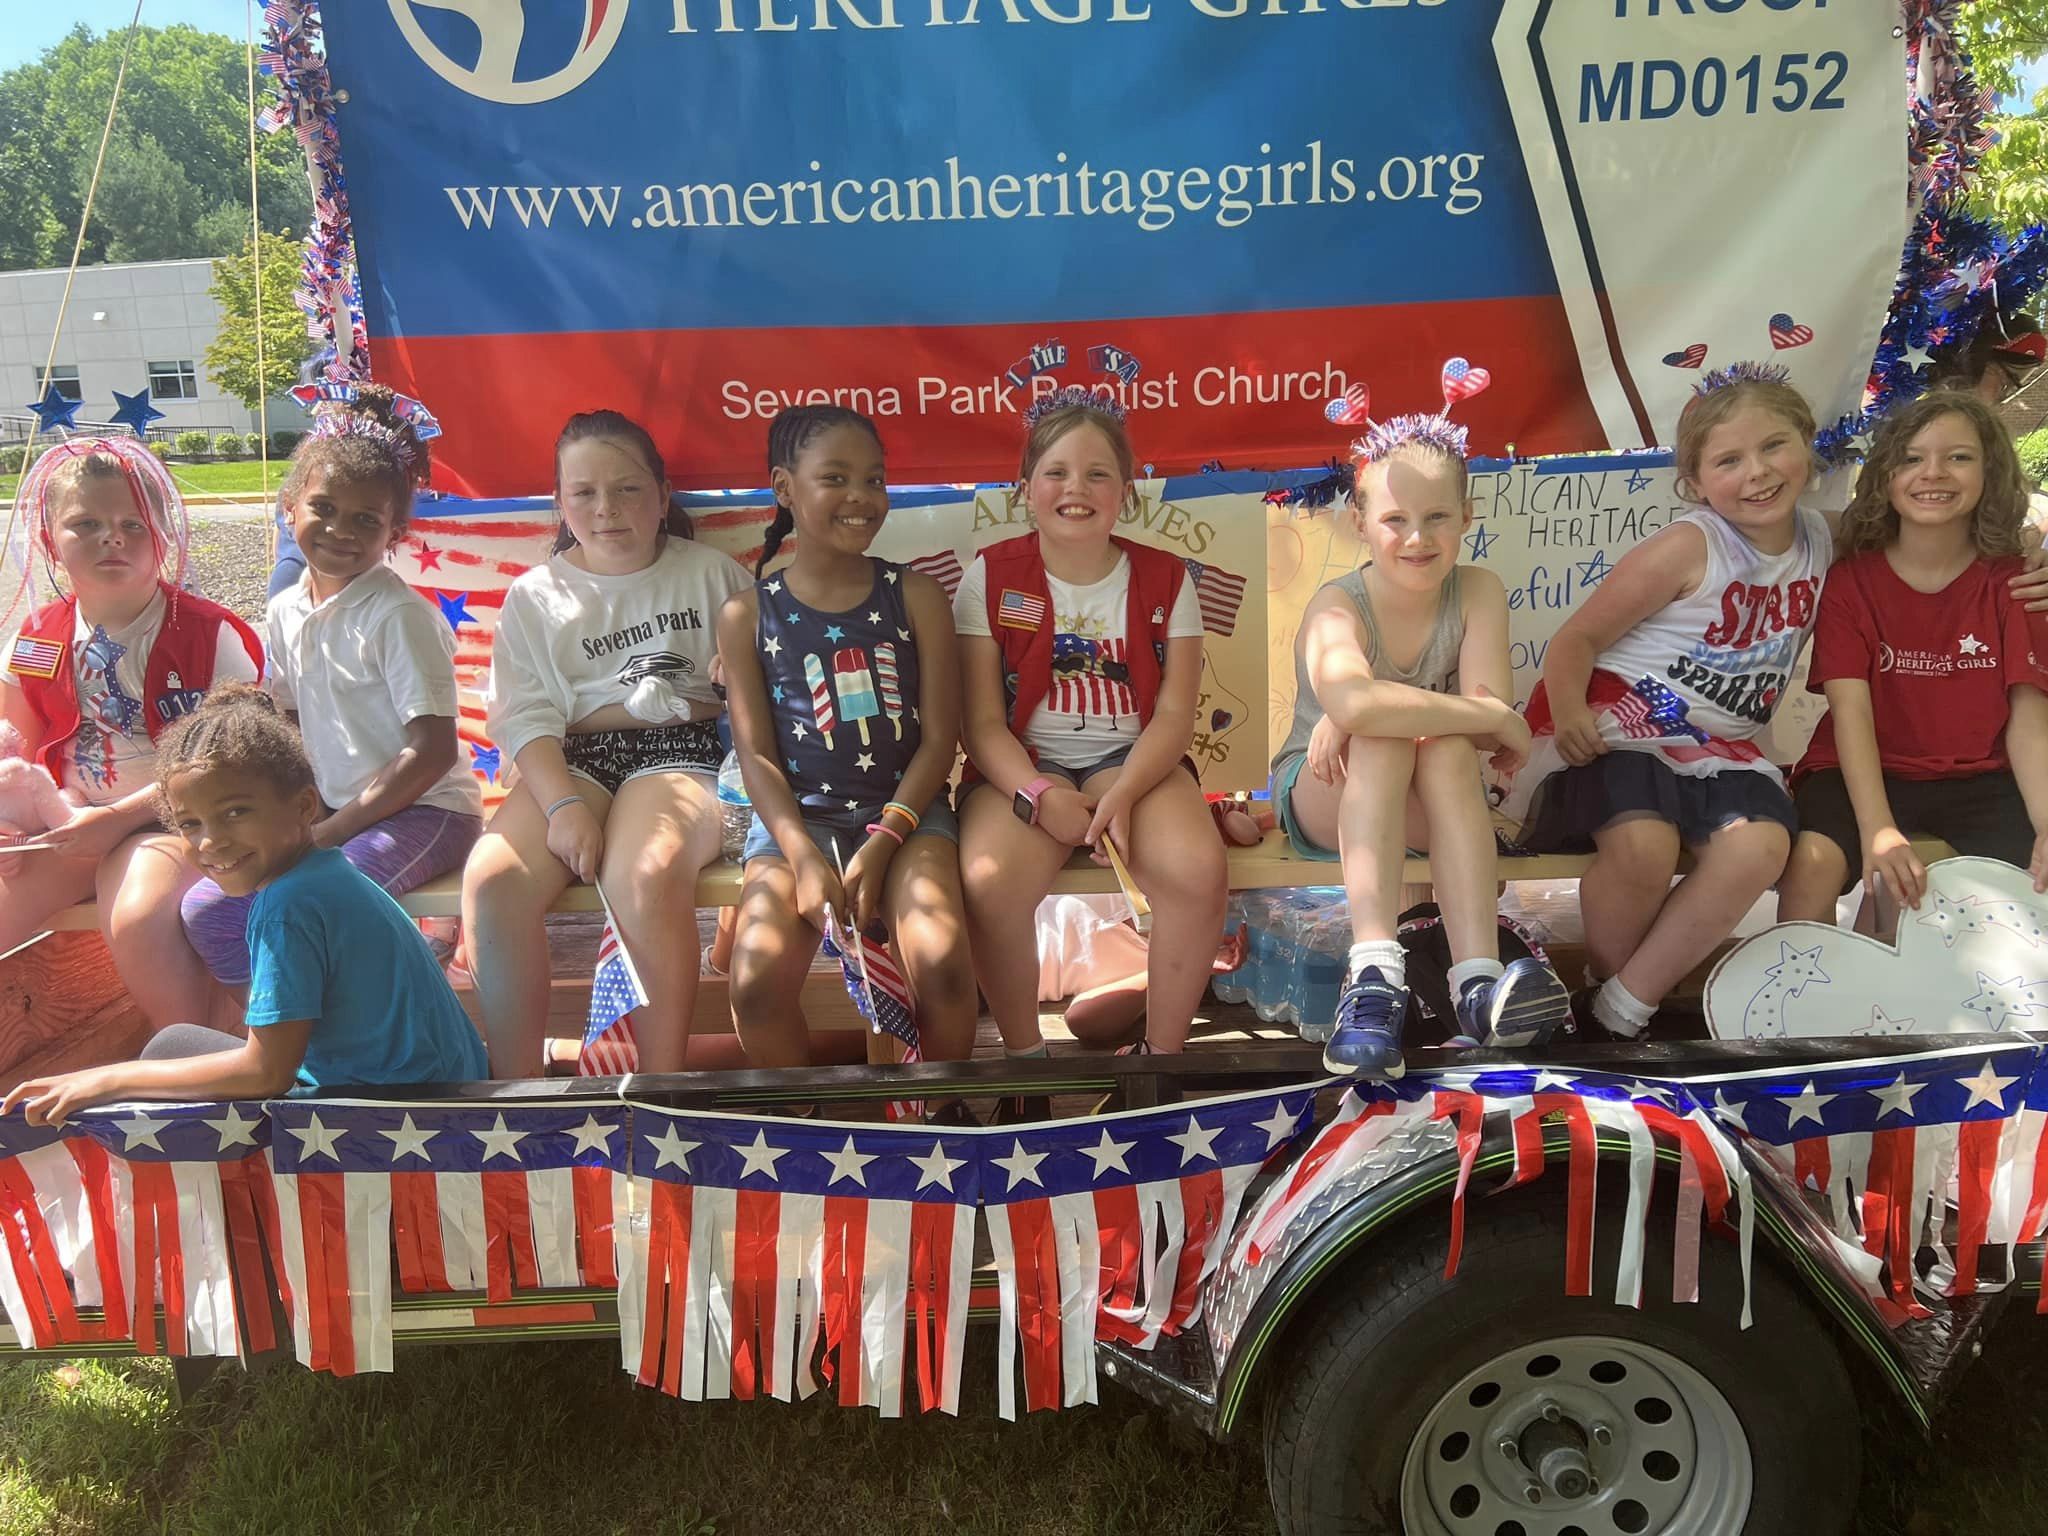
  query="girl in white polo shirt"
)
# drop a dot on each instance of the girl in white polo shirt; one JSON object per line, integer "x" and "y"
{"x": 367, "y": 666}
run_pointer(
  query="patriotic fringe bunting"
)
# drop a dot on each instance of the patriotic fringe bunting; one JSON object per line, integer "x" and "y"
{"x": 756, "y": 1257}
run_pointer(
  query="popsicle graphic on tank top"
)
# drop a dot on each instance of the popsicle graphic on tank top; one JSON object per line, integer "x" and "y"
{"x": 856, "y": 684}
{"x": 821, "y": 699}
{"x": 891, "y": 685}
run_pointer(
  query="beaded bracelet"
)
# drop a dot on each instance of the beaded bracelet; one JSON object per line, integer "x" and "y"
{"x": 904, "y": 811}
{"x": 883, "y": 826}
{"x": 565, "y": 800}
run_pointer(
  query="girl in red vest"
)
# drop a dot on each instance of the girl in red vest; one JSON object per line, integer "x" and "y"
{"x": 91, "y": 681}
{"x": 1081, "y": 655}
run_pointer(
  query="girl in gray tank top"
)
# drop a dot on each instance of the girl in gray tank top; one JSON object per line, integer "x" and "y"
{"x": 1383, "y": 754}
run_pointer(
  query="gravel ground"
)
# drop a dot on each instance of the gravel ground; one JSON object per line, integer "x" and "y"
{"x": 230, "y": 562}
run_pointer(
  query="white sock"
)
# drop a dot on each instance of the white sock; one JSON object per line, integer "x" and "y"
{"x": 1621, "y": 1010}
{"x": 1465, "y": 970}
{"x": 1030, "y": 1052}
{"x": 1391, "y": 959}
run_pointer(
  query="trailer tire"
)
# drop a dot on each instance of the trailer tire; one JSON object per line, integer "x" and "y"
{"x": 1396, "y": 1369}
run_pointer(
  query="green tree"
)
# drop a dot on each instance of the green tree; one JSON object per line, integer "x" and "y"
{"x": 145, "y": 202}
{"x": 186, "y": 91}
{"x": 231, "y": 356}
{"x": 2003, "y": 36}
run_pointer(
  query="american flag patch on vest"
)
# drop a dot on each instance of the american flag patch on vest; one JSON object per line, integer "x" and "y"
{"x": 35, "y": 658}
{"x": 1020, "y": 610}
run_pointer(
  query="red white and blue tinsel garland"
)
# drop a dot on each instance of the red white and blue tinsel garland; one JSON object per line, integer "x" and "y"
{"x": 330, "y": 290}
{"x": 1957, "y": 274}
{"x": 756, "y": 1257}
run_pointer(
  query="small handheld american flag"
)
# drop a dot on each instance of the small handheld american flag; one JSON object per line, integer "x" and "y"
{"x": 610, "y": 1046}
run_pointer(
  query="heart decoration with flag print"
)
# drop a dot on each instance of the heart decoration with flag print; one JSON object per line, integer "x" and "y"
{"x": 1691, "y": 357}
{"x": 1351, "y": 408}
{"x": 1785, "y": 332}
{"x": 1462, "y": 381}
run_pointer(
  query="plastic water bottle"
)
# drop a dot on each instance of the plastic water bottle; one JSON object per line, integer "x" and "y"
{"x": 734, "y": 810}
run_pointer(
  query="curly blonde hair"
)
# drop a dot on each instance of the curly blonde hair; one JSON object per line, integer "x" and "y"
{"x": 1704, "y": 412}
{"x": 1871, "y": 521}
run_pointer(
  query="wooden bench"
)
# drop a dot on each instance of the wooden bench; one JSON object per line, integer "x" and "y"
{"x": 1271, "y": 865}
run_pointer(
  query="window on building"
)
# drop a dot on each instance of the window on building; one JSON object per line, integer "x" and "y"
{"x": 173, "y": 381}
{"x": 65, "y": 377}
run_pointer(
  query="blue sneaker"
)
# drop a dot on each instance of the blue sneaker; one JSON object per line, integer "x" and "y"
{"x": 1517, "y": 1009}
{"x": 1367, "y": 1039}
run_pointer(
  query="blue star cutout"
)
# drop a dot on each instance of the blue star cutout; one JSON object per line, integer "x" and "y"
{"x": 792, "y": 765}
{"x": 1481, "y": 540}
{"x": 484, "y": 760}
{"x": 1590, "y": 571}
{"x": 455, "y": 608}
{"x": 135, "y": 412}
{"x": 778, "y": 693}
{"x": 834, "y": 632}
{"x": 1637, "y": 480}
{"x": 54, "y": 411}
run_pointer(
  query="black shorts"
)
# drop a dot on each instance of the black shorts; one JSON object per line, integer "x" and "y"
{"x": 609, "y": 758}
{"x": 1571, "y": 806}
{"x": 1982, "y": 816}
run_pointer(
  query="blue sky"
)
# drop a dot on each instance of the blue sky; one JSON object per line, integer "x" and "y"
{"x": 33, "y": 27}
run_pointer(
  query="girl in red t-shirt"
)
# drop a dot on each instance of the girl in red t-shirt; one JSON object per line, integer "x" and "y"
{"x": 1937, "y": 724}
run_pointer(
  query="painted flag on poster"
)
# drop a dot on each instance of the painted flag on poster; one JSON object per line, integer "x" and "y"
{"x": 1221, "y": 594}
{"x": 1108, "y": 1227}
{"x": 610, "y": 1046}
{"x": 944, "y": 568}
{"x": 773, "y": 1257}
{"x": 497, "y": 1198}
{"x": 159, "y": 1215}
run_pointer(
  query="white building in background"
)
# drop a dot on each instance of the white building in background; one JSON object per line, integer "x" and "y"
{"x": 126, "y": 325}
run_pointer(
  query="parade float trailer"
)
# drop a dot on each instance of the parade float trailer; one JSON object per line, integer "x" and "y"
{"x": 1586, "y": 1290}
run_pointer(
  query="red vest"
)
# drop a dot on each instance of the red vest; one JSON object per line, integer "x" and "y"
{"x": 1015, "y": 565}
{"x": 174, "y": 679}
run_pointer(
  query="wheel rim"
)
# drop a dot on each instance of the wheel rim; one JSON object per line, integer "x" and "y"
{"x": 1579, "y": 1436}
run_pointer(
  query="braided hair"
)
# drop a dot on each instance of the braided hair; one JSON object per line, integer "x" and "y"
{"x": 236, "y": 729}
{"x": 789, "y": 434}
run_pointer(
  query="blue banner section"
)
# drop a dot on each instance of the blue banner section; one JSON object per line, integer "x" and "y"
{"x": 765, "y": 163}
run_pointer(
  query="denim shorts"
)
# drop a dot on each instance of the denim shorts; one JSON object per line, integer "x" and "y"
{"x": 850, "y": 831}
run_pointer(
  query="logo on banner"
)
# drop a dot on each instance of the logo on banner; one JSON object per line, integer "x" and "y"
{"x": 501, "y": 29}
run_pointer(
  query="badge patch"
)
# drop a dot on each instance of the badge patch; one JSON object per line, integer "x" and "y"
{"x": 36, "y": 658}
{"x": 1020, "y": 610}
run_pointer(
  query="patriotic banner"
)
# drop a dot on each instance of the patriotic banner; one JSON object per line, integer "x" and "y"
{"x": 1108, "y": 1227}
{"x": 771, "y": 1257}
{"x": 139, "y": 1208}
{"x": 496, "y": 1199}
{"x": 551, "y": 210}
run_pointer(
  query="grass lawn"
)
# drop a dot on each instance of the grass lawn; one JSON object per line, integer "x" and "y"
{"x": 232, "y": 478}
{"x": 553, "y": 1438}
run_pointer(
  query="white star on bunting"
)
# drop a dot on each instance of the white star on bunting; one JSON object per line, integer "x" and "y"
{"x": 409, "y": 1140}
{"x": 234, "y": 1130}
{"x": 1196, "y": 1141}
{"x": 938, "y": 1168}
{"x": 1281, "y": 1126}
{"x": 1108, "y": 1154}
{"x": 1807, "y": 1105}
{"x": 760, "y": 1157}
{"x": 847, "y": 1164}
{"x": 317, "y": 1140}
{"x": 1896, "y": 1097}
{"x": 1545, "y": 1078}
{"x": 1987, "y": 1087}
{"x": 1021, "y": 1166}
{"x": 1730, "y": 1109}
{"x": 670, "y": 1150}
{"x": 499, "y": 1141}
{"x": 141, "y": 1131}
{"x": 592, "y": 1137}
